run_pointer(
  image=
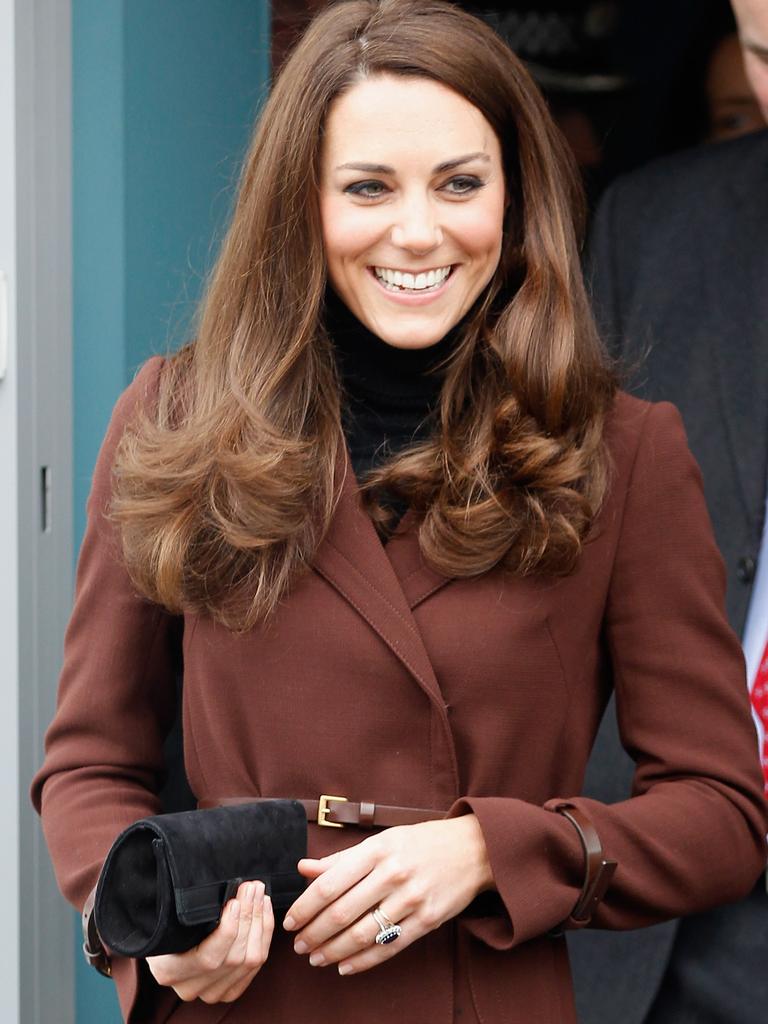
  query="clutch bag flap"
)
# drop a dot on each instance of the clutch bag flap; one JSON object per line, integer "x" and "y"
{"x": 166, "y": 878}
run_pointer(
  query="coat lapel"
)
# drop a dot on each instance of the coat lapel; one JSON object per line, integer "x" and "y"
{"x": 354, "y": 561}
{"x": 417, "y": 580}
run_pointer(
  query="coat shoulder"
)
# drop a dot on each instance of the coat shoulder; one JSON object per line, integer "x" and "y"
{"x": 635, "y": 427}
{"x": 678, "y": 183}
{"x": 143, "y": 390}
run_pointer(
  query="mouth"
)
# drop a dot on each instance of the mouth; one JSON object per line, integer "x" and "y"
{"x": 408, "y": 283}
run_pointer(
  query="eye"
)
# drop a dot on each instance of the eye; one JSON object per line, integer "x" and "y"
{"x": 463, "y": 185}
{"x": 366, "y": 189}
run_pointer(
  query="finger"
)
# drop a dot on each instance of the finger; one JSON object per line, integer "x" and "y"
{"x": 345, "y": 872}
{"x": 361, "y": 935}
{"x": 245, "y": 958}
{"x": 246, "y": 895}
{"x": 212, "y": 951}
{"x": 254, "y": 949}
{"x": 374, "y": 955}
{"x": 344, "y": 915}
{"x": 315, "y": 866}
{"x": 235, "y": 991}
{"x": 267, "y": 927}
{"x": 182, "y": 970}
{"x": 311, "y": 868}
{"x": 213, "y": 984}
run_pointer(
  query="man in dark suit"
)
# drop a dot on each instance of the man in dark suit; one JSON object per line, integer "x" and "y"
{"x": 679, "y": 268}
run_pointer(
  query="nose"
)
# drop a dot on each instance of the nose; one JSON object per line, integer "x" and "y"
{"x": 416, "y": 227}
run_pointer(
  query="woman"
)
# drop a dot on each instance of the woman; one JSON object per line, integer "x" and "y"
{"x": 429, "y": 616}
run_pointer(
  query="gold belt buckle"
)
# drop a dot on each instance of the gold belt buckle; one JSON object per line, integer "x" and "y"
{"x": 323, "y": 810}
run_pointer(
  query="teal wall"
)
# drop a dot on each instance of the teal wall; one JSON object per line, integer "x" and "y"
{"x": 164, "y": 94}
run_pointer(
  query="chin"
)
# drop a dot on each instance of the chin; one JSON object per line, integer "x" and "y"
{"x": 412, "y": 335}
{"x": 396, "y": 341}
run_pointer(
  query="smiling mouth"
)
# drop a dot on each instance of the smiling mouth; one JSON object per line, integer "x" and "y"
{"x": 405, "y": 281}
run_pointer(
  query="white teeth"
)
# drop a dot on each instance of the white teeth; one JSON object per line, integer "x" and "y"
{"x": 402, "y": 280}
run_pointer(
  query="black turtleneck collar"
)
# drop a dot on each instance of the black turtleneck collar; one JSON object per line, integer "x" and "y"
{"x": 378, "y": 366}
{"x": 389, "y": 394}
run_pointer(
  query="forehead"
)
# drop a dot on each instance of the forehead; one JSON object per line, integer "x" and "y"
{"x": 382, "y": 116}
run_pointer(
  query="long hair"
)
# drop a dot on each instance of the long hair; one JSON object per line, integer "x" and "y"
{"x": 223, "y": 492}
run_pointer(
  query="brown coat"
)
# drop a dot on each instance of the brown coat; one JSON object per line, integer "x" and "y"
{"x": 381, "y": 680}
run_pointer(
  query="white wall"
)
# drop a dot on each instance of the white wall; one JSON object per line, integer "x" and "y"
{"x": 9, "y": 607}
{"x": 35, "y": 432}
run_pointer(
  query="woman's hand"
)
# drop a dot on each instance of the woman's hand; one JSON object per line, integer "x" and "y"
{"x": 418, "y": 875}
{"x": 226, "y": 961}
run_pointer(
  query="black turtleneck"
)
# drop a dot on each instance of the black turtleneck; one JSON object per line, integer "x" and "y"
{"x": 389, "y": 395}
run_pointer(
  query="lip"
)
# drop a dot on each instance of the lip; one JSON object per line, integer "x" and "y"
{"x": 414, "y": 299}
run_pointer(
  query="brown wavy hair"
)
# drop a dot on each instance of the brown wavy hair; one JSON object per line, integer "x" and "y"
{"x": 223, "y": 492}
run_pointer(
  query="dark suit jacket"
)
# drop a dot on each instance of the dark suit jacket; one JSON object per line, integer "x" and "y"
{"x": 381, "y": 680}
{"x": 679, "y": 270}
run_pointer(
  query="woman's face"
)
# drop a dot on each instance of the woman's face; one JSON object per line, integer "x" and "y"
{"x": 412, "y": 202}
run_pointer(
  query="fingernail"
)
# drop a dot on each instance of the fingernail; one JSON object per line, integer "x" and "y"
{"x": 289, "y": 924}
{"x": 258, "y": 893}
{"x": 316, "y": 959}
{"x": 300, "y": 947}
{"x": 346, "y": 968}
{"x": 234, "y": 908}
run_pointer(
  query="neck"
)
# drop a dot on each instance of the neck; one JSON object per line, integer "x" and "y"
{"x": 389, "y": 395}
{"x": 369, "y": 365}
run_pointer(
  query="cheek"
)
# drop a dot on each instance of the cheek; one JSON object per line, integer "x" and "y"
{"x": 480, "y": 230}
{"x": 347, "y": 234}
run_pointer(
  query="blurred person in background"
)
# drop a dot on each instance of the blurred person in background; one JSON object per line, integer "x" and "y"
{"x": 732, "y": 107}
{"x": 679, "y": 264}
{"x": 628, "y": 81}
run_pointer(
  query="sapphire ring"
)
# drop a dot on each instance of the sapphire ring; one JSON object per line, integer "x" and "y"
{"x": 388, "y": 932}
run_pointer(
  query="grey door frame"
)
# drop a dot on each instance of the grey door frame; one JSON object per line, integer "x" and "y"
{"x": 36, "y": 956}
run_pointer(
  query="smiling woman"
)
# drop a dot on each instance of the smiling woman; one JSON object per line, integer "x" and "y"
{"x": 377, "y": 123}
{"x": 412, "y": 227}
{"x": 413, "y": 534}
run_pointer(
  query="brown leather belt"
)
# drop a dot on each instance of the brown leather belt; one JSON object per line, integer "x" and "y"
{"x": 337, "y": 811}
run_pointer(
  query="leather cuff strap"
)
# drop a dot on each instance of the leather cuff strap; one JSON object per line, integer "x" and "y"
{"x": 93, "y": 948}
{"x": 598, "y": 871}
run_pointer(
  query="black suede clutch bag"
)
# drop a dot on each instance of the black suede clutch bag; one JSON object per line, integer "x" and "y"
{"x": 166, "y": 879}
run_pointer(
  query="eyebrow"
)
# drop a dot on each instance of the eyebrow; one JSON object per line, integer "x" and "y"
{"x": 759, "y": 49}
{"x": 447, "y": 165}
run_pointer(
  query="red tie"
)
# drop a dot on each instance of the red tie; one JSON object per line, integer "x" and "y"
{"x": 760, "y": 704}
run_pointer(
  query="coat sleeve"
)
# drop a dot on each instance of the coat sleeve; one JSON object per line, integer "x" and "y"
{"x": 104, "y": 749}
{"x": 693, "y": 833}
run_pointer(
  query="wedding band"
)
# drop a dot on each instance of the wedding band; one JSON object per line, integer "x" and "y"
{"x": 388, "y": 932}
